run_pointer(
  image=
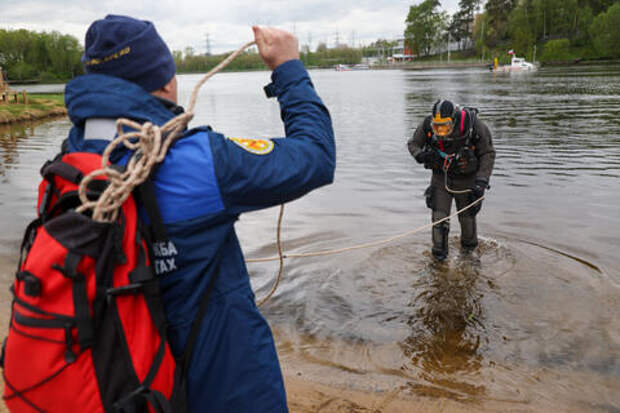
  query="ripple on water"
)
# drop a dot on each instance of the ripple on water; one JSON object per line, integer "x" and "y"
{"x": 477, "y": 327}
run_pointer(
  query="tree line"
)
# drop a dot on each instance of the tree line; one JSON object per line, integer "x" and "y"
{"x": 26, "y": 55}
{"x": 565, "y": 29}
{"x": 188, "y": 61}
{"x": 29, "y": 55}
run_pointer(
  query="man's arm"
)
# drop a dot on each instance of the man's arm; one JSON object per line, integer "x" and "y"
{"x": 416, "y": 143}
{"x": 254, "y": 174}
{"x": 484, "y": 151}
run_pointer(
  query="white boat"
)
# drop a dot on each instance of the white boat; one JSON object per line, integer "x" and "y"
{"x": 342, "y": 68}
{"x": 517, "y": 64}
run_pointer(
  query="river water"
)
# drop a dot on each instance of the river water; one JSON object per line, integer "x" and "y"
{"x": 529, "y": 321}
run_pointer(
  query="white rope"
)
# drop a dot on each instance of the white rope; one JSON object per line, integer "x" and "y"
{"x": 150, "y": 143}
{"x": 365, "y": 245}
{"x": 453, "y": 191}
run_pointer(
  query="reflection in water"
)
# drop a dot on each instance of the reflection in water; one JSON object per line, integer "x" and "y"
{"x": 447, "y": 328}
{"x": 24, "y": 147}
{"x": 531, "y": 318}
{"x": 11, "y": 137}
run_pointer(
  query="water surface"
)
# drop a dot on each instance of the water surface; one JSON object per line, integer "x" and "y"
{"x": 528, "y": 321}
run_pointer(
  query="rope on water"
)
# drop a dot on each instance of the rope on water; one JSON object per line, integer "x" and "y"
{"x": 150, "y": 143}
{"x": 365, "y": 245}
{"x": 281, "y": 256}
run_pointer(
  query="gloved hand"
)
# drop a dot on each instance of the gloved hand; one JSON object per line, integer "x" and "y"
{"x": 477, "y": 192}
{"x": 429, "y": 158}
{"x": 480, "y": 185}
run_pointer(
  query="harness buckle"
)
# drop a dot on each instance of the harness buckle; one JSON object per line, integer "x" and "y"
{"x": 447, "y": 162}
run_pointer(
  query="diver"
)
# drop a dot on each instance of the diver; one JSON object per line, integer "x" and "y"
{"x": 457, "y": 146}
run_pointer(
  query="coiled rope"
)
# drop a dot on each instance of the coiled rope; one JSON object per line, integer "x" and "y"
{"x": 150, "y": 143}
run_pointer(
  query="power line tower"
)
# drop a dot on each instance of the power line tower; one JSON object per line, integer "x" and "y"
{"x": 337, "y": 39}
{"x": 208, "y": 44}
{"x": 352, "y": 39}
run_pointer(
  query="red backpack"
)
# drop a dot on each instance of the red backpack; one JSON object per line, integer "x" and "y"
{"x": 88, "y": 331}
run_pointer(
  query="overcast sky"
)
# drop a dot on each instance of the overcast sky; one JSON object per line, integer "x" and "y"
{"x": 185, "y": 23}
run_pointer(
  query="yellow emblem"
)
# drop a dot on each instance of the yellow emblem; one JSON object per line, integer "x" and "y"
{"x": 256, "y": 146}
{"x": 113, "y": 56}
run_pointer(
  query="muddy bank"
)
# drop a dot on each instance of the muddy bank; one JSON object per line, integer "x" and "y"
{"x": 39, "y": 107}
{"x": 32, "y": 114}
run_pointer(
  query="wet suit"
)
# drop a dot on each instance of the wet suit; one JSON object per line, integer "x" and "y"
{"x": 205, "y": 182}
{"x": 461, "y": 175}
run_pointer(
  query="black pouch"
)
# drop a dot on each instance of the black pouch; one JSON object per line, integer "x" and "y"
{"x": 428, "y": 194}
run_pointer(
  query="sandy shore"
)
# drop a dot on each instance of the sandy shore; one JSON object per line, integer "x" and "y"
{"x": 306, "y": 392}
{"x": 319, "y": 388}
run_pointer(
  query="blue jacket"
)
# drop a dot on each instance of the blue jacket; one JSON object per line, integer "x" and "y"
{"x": 204, "y": 183}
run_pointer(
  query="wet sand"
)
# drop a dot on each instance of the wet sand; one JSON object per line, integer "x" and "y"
{"x": 320, "y": 387}
{"x": 308, "y": 397}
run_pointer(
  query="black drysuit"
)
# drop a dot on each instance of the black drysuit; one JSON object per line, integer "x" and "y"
{"x": 462, "y": 175}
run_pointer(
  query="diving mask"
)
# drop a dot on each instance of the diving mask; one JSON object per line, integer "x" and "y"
{"x": 442, "y": 127}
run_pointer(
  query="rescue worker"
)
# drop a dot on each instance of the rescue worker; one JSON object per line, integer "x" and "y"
{"x": 205, "y": 182}
{"x": 457, "y": 146}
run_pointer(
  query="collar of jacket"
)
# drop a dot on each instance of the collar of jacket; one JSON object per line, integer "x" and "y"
{"x": 102, "y": 96}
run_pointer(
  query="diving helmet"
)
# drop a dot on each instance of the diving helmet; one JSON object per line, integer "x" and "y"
{"x": 444, "y": 118}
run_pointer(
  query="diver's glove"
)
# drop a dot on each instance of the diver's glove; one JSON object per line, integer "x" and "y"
{"x": 429, "y": 158}
{"x": 477, "y": 192}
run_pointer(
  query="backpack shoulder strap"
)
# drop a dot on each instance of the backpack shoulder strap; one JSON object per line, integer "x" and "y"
{"x": 62, "y": 169}
{"x": 145, "y": 193}
{"x": 472, "y": 133}
{"x": 186, "y": 356}
{"x": 426, "y": 126}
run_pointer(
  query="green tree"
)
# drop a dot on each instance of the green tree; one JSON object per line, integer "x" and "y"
{"x": 424, "y": 25}
{"x": 599, "y": 6}
{"x": 462, "y": 22}
{"x": 379, "y": 48}
{"x": 497, "y": 12}
{"x": 480, "y": 33}
{"x": 520, "y": 31}
{"x": 558, "y": 49}
{"x": 26, "y": 55}
{"x": 605, "y": 32}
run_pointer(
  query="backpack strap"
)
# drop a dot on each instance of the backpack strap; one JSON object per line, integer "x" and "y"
{"x": 85, "y": 326}
{"x": 186, "y": 356}
{"x": 146, "y": 196}
{"x": 193, "y": 334}
{"x": 472, "y": 134}
{"x": 131, "y": 402}
{"x": 62, "y": 169}
{"x": 426, "y": 127}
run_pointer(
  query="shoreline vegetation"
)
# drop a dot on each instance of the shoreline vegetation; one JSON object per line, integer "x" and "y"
{"x": 432, "y": 62}
{"x": 550, "y": 32}
{"x": 51, "y": 105}
{"x": 40, "y": 106}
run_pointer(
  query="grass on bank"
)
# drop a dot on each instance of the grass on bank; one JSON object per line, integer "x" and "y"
{"x": 39, "y": 105}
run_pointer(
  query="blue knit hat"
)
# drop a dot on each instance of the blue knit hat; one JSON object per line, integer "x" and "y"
{"x": 131, "y": 49}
